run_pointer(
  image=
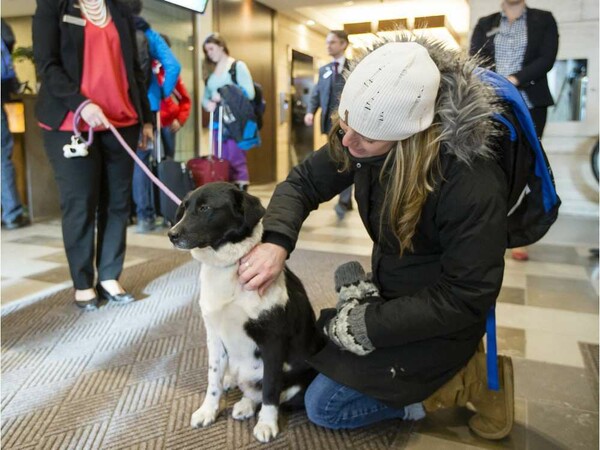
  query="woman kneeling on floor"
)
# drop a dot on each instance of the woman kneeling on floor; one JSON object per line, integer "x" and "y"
{"x": 414, "y": 135}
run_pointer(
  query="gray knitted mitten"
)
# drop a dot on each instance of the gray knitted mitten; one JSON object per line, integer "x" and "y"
{"x": 351, "y": 282}
{"x": 348, "y": 329}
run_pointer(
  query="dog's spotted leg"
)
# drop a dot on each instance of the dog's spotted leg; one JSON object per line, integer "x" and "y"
{"x": 217, "y": 361}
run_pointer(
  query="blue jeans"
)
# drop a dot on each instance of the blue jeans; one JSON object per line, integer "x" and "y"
{"x": 168, "y": 141}
{"x": 143, "y": 194}
{"x": 333, "y": 405}
{"x": 11, "y": 204}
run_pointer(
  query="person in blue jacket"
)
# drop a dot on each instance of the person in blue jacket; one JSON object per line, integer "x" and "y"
{"x": 151, "y": 47}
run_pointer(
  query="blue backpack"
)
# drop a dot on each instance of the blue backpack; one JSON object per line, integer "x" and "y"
{"x": 8, "y": 71}
{"x": 532, "y": 199}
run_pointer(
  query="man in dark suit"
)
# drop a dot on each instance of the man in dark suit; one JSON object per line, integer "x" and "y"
{"x": 521, "y": 43}
{"x": 326, "y": 95}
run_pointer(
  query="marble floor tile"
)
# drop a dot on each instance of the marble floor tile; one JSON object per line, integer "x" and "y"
{"x": 514, "y": 279}
{"x": 580, "y": 326}
{"x": 19, "y": 289}
{"x": 512, "y": 295}
{"x": 564, "y": 271}
{"x": 553, "y": 384}
{"x": 23, "y": 268}
{"x": 555, "y": 254}
{"x": 38, "y": 239}
{"x": 552, "y": 426}
{"x": 561, "y": 294}
{"x": 12, "y": 252}
{"x": 511, "y": 341}
{"x": 553, "y": 348}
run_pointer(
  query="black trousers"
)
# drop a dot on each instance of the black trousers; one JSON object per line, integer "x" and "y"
{"x": 539, "y": 115}
{"x": 95, "y": 192}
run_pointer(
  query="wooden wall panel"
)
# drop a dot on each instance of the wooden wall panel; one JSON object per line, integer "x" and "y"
{"x": 248, "y": 29}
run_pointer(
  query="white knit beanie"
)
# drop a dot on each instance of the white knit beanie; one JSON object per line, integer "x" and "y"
{"x": 390, "y": 95}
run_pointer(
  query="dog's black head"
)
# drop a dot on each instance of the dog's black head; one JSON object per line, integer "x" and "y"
{"x": 213, "y": 215}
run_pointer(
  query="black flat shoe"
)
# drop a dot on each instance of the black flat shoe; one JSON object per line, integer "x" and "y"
{"x": 88, "y": 305}
{"x": 123, "y": 298}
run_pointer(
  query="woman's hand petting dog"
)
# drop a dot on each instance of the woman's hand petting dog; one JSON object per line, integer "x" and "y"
{"x": 261, "y": 266}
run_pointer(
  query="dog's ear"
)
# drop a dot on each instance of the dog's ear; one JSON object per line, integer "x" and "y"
{"x": 250, "y": 207}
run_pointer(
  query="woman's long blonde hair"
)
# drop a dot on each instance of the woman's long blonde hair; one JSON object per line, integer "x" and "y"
{"x": 413, "y": 167}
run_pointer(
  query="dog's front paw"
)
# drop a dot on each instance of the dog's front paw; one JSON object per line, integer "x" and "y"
{"x": 204, "y": 416}
{"x": 266, "y": 431}
{"x": 244, "y": 409}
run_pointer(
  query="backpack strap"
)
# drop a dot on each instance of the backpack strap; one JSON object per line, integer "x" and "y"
{"x": 492, "y": 351}
{"x": 233, "y": 71}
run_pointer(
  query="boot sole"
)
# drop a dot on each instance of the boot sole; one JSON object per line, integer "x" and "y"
{"x": 510, "y": 404}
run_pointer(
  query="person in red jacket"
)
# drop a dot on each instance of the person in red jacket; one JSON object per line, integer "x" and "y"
{"x": 174, "y": 110}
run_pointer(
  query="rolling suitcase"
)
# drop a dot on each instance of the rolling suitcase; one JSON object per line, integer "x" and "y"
{"x": 206, "y": 169}
{"x": 175, "y": 175}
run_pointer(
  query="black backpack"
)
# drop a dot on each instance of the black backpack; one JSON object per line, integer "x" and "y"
{"x": 258, "y": 102}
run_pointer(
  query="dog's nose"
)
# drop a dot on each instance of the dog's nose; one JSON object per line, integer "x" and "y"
{"x": 173, "y": 235}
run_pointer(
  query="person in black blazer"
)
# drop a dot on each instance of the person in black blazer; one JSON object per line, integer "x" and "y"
{"x": 86, "y": 50}
{"x": 326, "y": 95}
{"x": 538, "y": 60}
{"x": 520, "y": 43}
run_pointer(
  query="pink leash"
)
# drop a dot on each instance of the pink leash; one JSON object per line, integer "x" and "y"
{"x": 135, "y": 157}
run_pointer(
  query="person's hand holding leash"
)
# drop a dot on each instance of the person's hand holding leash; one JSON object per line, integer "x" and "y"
{"x": 93, "y": 115}
{"x": 147, "y": 136}
{"x": 261, "y": 266}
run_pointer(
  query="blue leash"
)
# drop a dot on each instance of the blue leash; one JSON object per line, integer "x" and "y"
{"x": 492, "y": 351}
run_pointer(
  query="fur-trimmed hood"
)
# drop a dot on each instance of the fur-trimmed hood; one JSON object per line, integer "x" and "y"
{"x": 464, "y": 105}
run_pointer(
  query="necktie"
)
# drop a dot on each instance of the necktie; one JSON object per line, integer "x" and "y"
{"x": 335, "y": 70}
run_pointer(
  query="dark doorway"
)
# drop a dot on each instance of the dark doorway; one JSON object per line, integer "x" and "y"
{"x": 301, "y": 138}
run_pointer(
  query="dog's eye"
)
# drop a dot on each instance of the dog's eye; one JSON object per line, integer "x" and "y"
{"x": 204, "y": 208}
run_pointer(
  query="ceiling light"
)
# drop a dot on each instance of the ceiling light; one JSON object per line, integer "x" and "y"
{"x": 310, "y": 23}
{"x": 439, "y": 28}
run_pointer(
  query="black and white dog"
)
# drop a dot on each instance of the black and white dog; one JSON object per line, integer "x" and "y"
{"x": 259, "y": 343}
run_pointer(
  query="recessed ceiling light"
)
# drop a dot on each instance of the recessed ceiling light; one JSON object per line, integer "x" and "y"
{"x": 310, "y": 23}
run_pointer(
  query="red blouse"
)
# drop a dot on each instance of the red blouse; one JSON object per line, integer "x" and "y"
{"x": 104, "y": 78}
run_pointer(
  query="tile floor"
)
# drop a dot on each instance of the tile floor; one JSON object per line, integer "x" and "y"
{"x": 547, "y": 318}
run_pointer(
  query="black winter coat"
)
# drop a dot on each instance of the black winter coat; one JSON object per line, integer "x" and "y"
{"x": 436, "y": 297}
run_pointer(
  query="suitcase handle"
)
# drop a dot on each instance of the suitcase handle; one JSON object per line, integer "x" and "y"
{"x": 157, "y": 140}
{"x": 211, "y": 126}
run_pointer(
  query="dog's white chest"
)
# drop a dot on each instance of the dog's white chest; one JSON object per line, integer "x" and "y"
{"x": 226, "y": 308}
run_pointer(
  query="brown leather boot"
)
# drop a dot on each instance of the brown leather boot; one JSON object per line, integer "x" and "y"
{"x": 494, "y": 409}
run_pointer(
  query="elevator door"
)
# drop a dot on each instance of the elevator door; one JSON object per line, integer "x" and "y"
{"x": 301, "y": 139}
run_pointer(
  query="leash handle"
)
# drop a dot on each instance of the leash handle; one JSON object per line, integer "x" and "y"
{"x": 76, "y": 118}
